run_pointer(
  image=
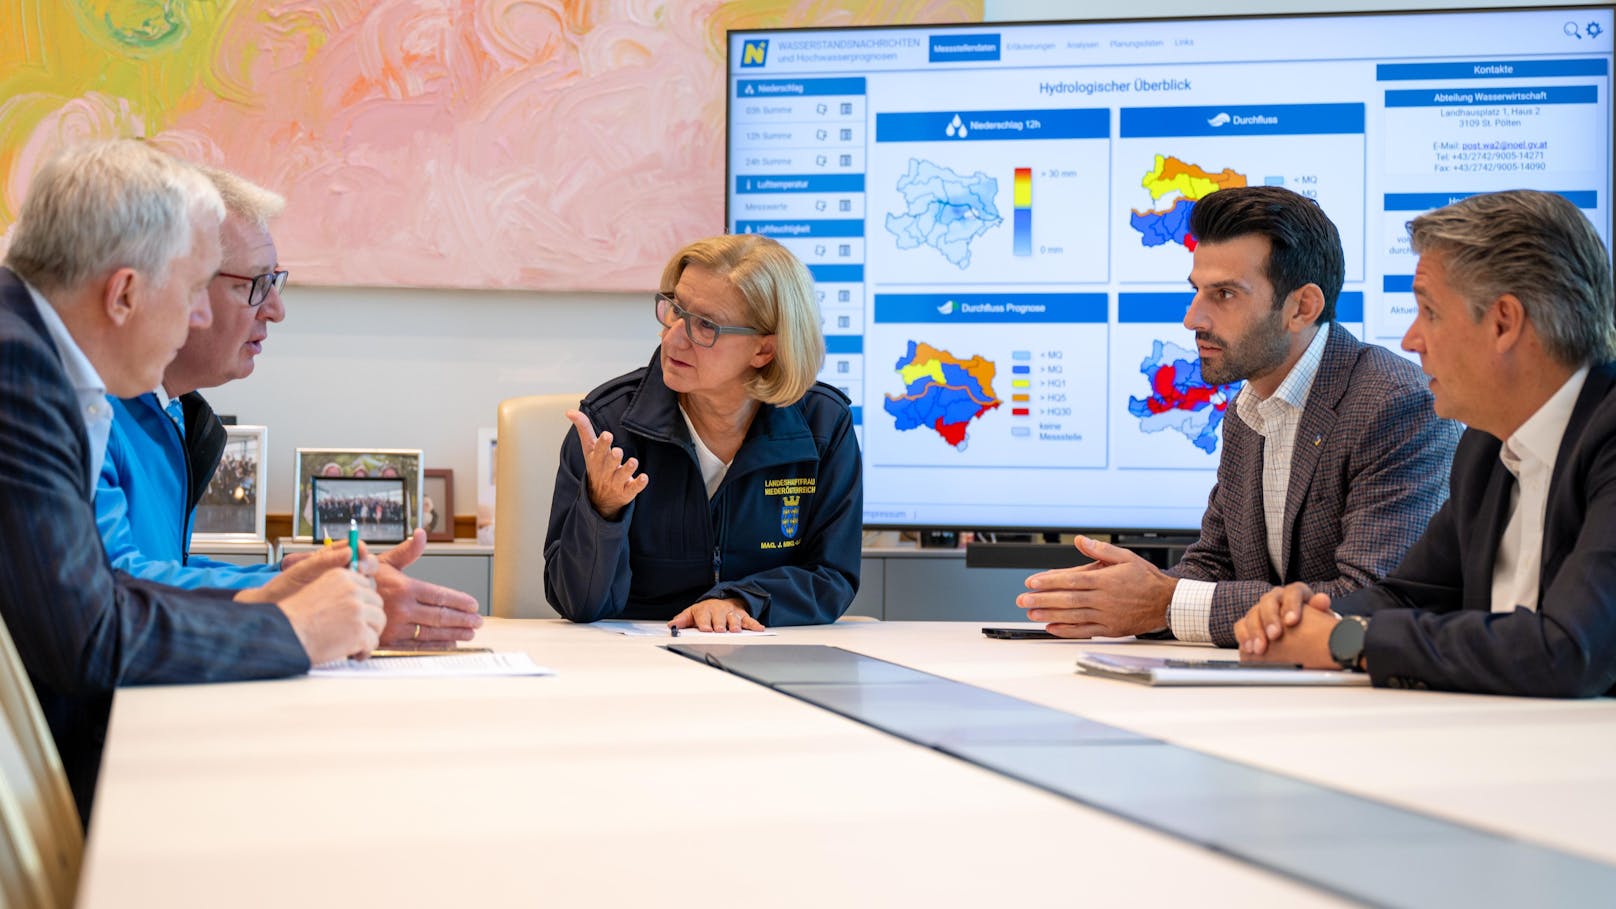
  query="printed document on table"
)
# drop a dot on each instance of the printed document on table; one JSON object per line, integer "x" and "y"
{"x": 660, "y": 630}
{"x": 1166, "y": 671}
{"x": 468, "y": 665}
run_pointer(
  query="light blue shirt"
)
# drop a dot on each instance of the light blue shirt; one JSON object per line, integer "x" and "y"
{"x": 140, "y": 503}
{"x": 86, "y": 382}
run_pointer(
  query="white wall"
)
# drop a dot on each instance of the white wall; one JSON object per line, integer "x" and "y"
{"x": 369, "y": 368}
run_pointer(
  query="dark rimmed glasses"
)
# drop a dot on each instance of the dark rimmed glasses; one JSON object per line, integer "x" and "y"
{"x": 702, "y": 331}
{"x": 261, "y": 285}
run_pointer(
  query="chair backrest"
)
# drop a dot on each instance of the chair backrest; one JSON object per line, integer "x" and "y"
{"x": 530, "y": 433}
{"x": 35, "y": 784}
{"x": 23, "y": 884}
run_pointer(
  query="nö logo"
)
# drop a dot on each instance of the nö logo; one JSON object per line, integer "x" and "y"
{"x": 755, "y": 53}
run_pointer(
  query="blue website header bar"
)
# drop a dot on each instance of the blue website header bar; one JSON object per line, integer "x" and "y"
{"x": 1349, "y": 306}
{"x": 1417, "y": 202}
{"x": 993, "y": 125}
{"x": 837, "y": 274}
{"x": 1000, "y": 308}
{"x": 798, "y": 88}
{"x": 799, "y": 183}
{"x": 1243, "y": 120}
{"x": 962, "y": 48}
{"x": 785, "y": 228}
{"x": 1471, "y": 97}
{"x": 1155, "y": 307}
{"x": 1488, "y": 69}
{"x": 1169, "y": 308}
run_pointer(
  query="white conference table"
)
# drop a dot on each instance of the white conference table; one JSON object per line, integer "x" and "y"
{"x": 638, "y": 777}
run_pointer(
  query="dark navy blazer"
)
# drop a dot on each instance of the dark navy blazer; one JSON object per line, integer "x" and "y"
{"x": 81, "y": 628}
{"x": 1432, "y": 622}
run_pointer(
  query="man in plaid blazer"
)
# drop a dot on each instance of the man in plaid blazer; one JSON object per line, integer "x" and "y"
{"x": 1333, "y": 459}
{"x": 105, "y": 276}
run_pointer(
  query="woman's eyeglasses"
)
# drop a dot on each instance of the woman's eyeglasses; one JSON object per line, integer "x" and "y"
{"x": 702, "y": 331}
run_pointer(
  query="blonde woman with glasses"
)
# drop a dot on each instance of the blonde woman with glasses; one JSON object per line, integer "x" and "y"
{"x": 718, "y": 488}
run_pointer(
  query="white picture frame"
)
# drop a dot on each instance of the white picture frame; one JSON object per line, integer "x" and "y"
{"x": 232, "y": 508}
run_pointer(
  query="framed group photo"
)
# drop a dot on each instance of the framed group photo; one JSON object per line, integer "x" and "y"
{"x": 231, "y": 509}
{"x": 402, "y": 464}
{"x": 375, "y": 505}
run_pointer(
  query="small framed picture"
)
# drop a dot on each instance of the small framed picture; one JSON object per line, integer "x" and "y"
{"x": 376, "y": 504}
{"x": 437, "y": 504}
{"x": 232, "y": 507}
{"x": 355, "y": 463}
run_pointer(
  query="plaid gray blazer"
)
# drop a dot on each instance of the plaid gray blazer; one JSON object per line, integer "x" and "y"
{"x": 1369, "y": 469}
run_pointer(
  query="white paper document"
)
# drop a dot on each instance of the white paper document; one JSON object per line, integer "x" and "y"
{"x": 461, "y": 665}
{"x": 660, "y": 630}
{"x": 1161, "y": 671}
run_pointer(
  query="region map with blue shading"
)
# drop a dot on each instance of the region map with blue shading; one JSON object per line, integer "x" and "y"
{"x": 944, "y": 210}
{"x": 1179, "y": 400}
{"x": 1158, "y": 228}
{"x": 941, "y": 392}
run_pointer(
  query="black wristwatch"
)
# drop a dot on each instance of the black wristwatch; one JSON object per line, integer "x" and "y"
{"x": 1347, "y": 640}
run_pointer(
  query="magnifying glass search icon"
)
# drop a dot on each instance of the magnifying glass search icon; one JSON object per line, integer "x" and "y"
{"x": 1572, "y": 30}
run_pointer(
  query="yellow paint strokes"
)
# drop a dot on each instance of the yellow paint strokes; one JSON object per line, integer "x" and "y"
{"x": 94, "y": 69}
{"x": 538, "y": 144}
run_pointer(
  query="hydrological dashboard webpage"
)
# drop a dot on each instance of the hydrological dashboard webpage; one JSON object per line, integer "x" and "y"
{"x": 996, "y": 218}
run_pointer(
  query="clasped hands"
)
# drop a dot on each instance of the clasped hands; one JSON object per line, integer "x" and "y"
{"x": 1289, "y": 624}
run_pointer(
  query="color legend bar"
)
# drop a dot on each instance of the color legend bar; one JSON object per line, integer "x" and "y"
{"x": 1023, "y": 212}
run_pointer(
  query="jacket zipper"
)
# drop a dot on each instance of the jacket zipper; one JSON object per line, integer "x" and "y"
{"x": 718, "y": 535}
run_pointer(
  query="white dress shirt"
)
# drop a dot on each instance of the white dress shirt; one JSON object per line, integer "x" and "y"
{"x": 1275, "y": 418}
{"x": 712, "y": 469}
{"x": 1529, "y": 454}
{"x": 87, "y": 384}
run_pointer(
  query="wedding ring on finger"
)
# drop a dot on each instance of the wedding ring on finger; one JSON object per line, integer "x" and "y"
{"x": 417, "y": 635}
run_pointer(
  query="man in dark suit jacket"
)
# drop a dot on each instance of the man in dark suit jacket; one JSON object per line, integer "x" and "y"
{"x": 1512, "y": 588}
{"x": 104, "y": 278}
{"x": 1332, "y": 458}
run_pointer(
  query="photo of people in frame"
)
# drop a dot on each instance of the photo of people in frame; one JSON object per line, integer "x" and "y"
{"x": 356, "y": 463}
{"x": 375, "y": 504}
{"x": 232, "y": 506}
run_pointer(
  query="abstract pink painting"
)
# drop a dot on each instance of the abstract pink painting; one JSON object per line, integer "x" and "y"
{"x": 522, "y": 144}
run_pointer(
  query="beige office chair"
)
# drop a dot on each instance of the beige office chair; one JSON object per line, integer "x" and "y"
{"x": 530, "y": 434}
{"x": 36, "y": 792}
{"x": 23, "y": 884}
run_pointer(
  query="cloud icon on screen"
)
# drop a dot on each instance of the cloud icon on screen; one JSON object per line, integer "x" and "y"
{"x": 947, "y": 309}
{"x": 1219, "y": 120}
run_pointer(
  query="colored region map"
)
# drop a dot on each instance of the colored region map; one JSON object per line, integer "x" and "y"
{"x": 944, "y": 210}
{"x": 941, "y": 392}
{"x": 1188, "y": 184}
{"x": 1178, "y": 399}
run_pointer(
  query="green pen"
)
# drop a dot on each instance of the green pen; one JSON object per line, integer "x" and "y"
{"x": 353, "y": 544}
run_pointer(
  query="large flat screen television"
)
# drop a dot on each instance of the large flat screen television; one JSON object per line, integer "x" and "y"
{"x": 995, "y": 216}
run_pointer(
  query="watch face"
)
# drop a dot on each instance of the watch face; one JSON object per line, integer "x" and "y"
{"x": 1347, "y": 641}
